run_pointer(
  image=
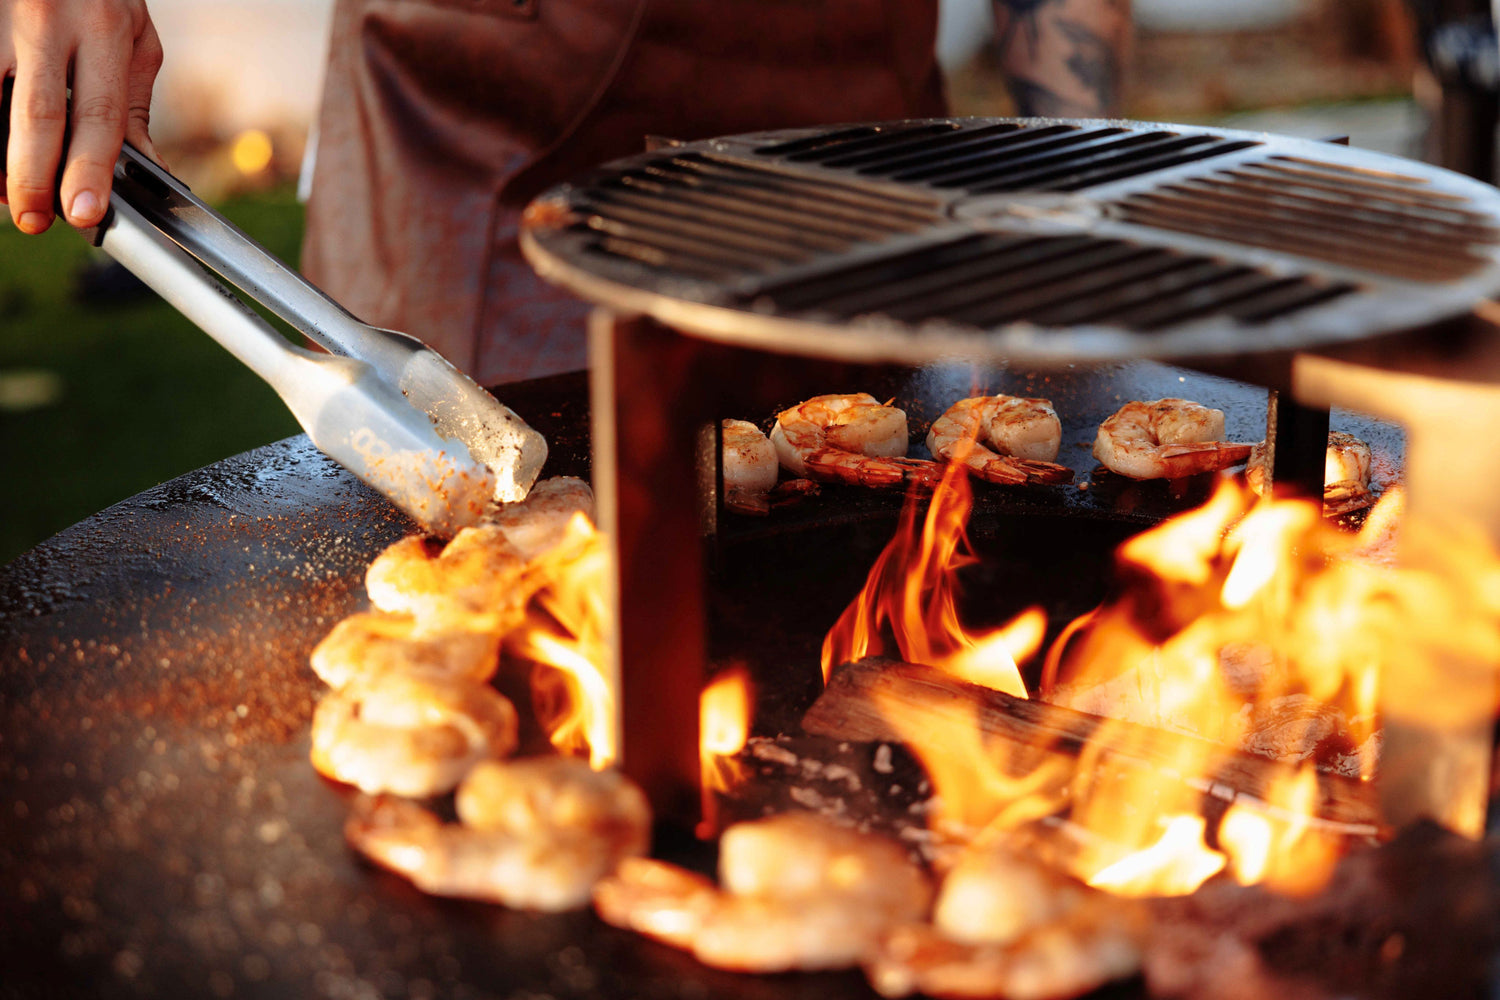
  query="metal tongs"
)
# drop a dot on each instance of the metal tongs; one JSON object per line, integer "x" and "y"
{"x": 382, "y": 404}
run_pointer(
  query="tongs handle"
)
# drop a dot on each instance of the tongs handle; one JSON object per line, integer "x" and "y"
{"x": 381, "y": 403}
{"x": 166, "y": 203}
{"x": 458, "y": 408}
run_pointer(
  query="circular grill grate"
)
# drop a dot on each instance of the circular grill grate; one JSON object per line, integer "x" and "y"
{"x": 1034, "y": 240}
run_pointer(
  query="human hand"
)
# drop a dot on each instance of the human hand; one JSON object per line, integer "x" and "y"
{"x": 109, "y": 53}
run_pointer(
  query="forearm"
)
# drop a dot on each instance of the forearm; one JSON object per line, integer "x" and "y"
{"x": 1064, "y": 58}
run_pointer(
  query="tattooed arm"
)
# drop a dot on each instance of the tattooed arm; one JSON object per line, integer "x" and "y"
{"x": 1064, "y": 58}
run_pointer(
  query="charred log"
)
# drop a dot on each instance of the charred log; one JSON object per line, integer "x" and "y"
{"x": 850, "y": 711}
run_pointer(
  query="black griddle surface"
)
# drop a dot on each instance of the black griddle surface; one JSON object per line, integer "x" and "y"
{"x": 161, "y": 830}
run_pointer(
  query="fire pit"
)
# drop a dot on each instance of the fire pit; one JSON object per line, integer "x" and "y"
{"x": 166, "y": 833}
{"x": 1046, "y": 245}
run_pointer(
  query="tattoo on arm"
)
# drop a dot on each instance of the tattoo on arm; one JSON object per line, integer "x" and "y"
{"x": 1094, "y": 63}
{"x": 1033, "y": 100}
{"x": 1063, "y": 58}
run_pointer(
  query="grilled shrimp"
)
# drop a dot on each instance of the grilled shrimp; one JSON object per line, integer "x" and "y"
{"x": 1001, "y": 439}
{"x": 1064, "y": 959}
{"x": 657, "y": 899}
{"x": 409, "y": 734}
{"x": 799, "y": 893}
{"x": 555, "y": 797}
{"x": 551, "y": 830}
{"x": 536, "y": 524}
{"x": 848, "y": 438}
{"x": 1346, "y": 472}
{"x": 370, "y": 645}
{"x": 1005, "y": 926}
{"x": 472, "y": 585}
{"x": 747, "y": 461}
{"x": 1166, "y": 439}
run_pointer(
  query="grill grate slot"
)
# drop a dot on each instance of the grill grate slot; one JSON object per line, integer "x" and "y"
{"x": 816, "y": 234}
{"x": 1236, "y": 287}
{"x": 1176, "y": 277}
{"x": 706, "y": 249}
{"x": 1007, "y": 156}
{"x": 881, "y": 205}
{"x": 1004, "y": 159}
{"x": 662, "y": 259}
{"x": 1150, "y": 160}
{"x": 815, "y": 148}
{"x": 851, "y": 290}
{"x": 1114, "y": 238}
{"x": 974, "y": 302}
{"x": 991, "y": 279}
{"x": 944, "y": 149}
{"x": 1097, "y": 292}
{"x": 697, "y": 216}
{"x": 1286, "y": 223}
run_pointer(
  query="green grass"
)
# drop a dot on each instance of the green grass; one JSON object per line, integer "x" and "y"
{"x": 145, "y": 395}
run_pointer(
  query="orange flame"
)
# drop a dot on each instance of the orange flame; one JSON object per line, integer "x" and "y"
{"x": 1249, "y": 618}
{"x": 912, "y": 590}
{"x": 568, "y": 630}
{"x": 723, "y": 730}
{"x": 1281, "y": 845}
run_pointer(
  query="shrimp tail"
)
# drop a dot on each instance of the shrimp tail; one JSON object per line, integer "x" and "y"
{"x": 1044, "y": 472}
{"x": 1007, "y": 470}
{"x": 1346, "y": 496}
{"x": 992, "y": 468}
{"x": 1180, "y": 460}
{"x": 835, "y": 465}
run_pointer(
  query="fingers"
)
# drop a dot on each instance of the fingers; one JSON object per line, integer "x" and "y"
{"x": 110, "y": 53}
{"x": 145, "y": 62}
{"x": 38, "y": 117}
{"x": 98, "y": 128}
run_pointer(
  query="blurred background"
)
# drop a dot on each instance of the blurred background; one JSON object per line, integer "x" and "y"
{"x": 105, "y": 391}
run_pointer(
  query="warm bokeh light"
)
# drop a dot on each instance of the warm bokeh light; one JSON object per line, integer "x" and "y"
{"x": 251, "y": 151}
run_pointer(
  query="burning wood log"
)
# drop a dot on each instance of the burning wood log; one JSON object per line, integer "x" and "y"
{"x": 852, "y": 709}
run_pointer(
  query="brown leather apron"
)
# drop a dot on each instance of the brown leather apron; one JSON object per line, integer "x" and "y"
{"x": 442, "y": 118}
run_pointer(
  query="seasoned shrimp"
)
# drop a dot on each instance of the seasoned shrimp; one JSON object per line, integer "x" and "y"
{"x": 556, "y": 796}
{"x": 848, "y": 438}
{"x": 1094, "y": 946}
{"x": 994, "y": 896}
{"x": 799, "y": 893}
{"x": 658, "y": 899}
{"x": 1346, "y": 472}
{"x": 473, "y": 584}
{"x": 797, "y": 854}
{"x": 748, "y": 461}
{"x": 1166, "y": 439}
{"x": 1022, "y": 436}
{"x": 369, "y": 645}
{"x": 1005, "y": 926}
{"x": 408, "y": 734}
{"x": 537, "y": 524}
{"x": 547, "y": 867}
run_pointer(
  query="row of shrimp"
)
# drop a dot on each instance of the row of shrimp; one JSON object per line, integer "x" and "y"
{"x": 855, "y": 438}
{"x": 797, "y": 892}
{"x": 1012, "y": 440}
{"x": 412, "y": 714}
